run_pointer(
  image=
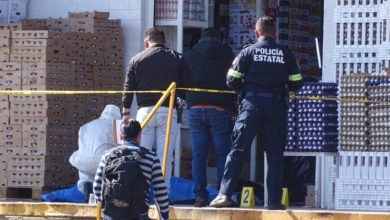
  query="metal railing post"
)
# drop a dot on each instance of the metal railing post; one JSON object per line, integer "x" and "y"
{"x": 169, "y": 126}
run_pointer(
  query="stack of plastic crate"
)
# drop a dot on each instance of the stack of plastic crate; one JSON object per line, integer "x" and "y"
{"x": 364, "y": 181}
{"x": 312, "y": 124}
{"x": 379, "y": 113}
{"x": 364, "y": 171}
{"x": 353, "y": 114}
{"x": 362, "y": 36}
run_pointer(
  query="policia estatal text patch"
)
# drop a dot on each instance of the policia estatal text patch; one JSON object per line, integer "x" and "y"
{"x": 268, "y": 55}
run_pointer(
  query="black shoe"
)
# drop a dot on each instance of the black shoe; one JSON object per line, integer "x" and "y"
{"x": 222, "y": 201}
{"x": 201, "y": 201}
{"x": 276, "y": 206}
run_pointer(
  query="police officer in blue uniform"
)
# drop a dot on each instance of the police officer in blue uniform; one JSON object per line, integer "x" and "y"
{"x": 262, "y": 74}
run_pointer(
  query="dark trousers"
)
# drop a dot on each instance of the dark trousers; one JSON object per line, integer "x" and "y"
{"x": 255, "y": 113}
{"x": 87, "y": 191}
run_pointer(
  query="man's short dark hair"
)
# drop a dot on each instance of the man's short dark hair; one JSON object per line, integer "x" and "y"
{"x": 130, "y": 129}
{"x": 265, "y": 24}
{"x": 155, "y": 35}
{"x": 211, "y": 32}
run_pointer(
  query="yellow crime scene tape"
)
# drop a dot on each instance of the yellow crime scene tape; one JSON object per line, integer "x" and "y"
{"x": 112, "y": 92}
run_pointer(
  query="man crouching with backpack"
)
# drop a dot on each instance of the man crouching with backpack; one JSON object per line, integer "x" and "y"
{"x": 123, "y": 178}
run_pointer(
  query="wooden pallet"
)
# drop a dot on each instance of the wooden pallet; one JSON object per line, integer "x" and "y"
{"x": 21, "y": 193}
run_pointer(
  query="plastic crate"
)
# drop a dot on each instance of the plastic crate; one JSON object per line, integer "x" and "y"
{"x": 367, "y": 194}
{"x": 330, "y": 175}
{"x": 363, "y": 182}
{"x": 365, "y": 165}
{"x": 313, "y": 123}
{"x": 362, "y": 41}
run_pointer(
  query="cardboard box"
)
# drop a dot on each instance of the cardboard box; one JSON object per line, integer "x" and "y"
{"x": 61, "y": 67}
{"x": 5, "y": 51}
{"x": 113, "y": 99}
{"x": 10, "y": 129}
{"x": 113, "y": 62}
{"x": 33, "y": 109}
{"x": 11, "y": 142}
{"x": 10, "y": 80}
{"x": 5, "y": 34}
{"x": 12, "y": 27}
{"x": 37, "y": 50}
{"x": 26, "y": 163}
{"x": 75, "y": 45}
{"x": 10, "y": 66}
{"x": 93, "y": 14}
{"x": 113, "y": 46}
{"x": 3, "y": 163}
{"x": 28, "y": 120}
{"x": 25, "y": 175}
{"x": 10, "y": 151}
{"x": 4, "y": 112}
{"x": 25, "y": 183}
{"x": 3, "y": 179}
{"x": 33, "y": 34}
{"x": 34, "y": 24}
{"x": 95, "y": 38}
{"x": 4, "y": 42}
{"x": 31, "y": 42}
{"x": 108, "y": 31}
{"x": 76, "y": 60}
{"x": 93, "y": 22}
{"x": 14, "y": 57}
{"x": 94, "y": 51}
{"x": 81, "y": 69}
{"x": 94, "y": 60}
{"x": 10, "y": 138}
{"x": 58, "y": 25}
{"x": 95, "y": 26}
{"x": 4, "y": 109}
{"x": 28, "y": 98}
{"x": 111, "y": 54}
{"x": 4, "y": 120}
{"x": 47, "y": 84}
{"x": 4, "y": 58}
{"x": 36, "y": 77}
{"x": 4, "y": 98}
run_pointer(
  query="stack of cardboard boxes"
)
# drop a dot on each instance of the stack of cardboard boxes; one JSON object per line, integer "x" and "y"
{"x": 39, "y": 132}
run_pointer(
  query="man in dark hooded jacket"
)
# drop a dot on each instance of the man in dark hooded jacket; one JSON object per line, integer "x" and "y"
{"x": 209, "y": 114}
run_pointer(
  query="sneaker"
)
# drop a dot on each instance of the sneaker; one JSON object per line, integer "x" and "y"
{"x": 222, "y": 201}
{"x": 276, "y": 206}
{"x": 201, "y": 201}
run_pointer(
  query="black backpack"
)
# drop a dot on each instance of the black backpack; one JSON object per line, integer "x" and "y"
{"x": 124, "y": 186}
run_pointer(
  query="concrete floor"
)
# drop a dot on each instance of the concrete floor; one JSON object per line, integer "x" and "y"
{"x": 64, "y": 211}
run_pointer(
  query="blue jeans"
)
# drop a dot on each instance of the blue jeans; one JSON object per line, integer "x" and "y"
{"x": 209, "y": 124}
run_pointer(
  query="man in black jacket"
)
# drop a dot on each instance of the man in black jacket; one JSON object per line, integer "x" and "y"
{"x": 155, "y": 68}
{"x": 209, "y": 114}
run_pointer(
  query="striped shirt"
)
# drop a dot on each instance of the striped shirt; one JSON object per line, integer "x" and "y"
{"x": 151, "y": 169}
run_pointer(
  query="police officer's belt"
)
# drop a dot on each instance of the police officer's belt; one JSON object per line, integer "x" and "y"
{"x": 263, "y": 94}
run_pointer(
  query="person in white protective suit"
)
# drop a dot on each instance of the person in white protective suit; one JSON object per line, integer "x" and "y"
{"x": 95, "y": 138}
